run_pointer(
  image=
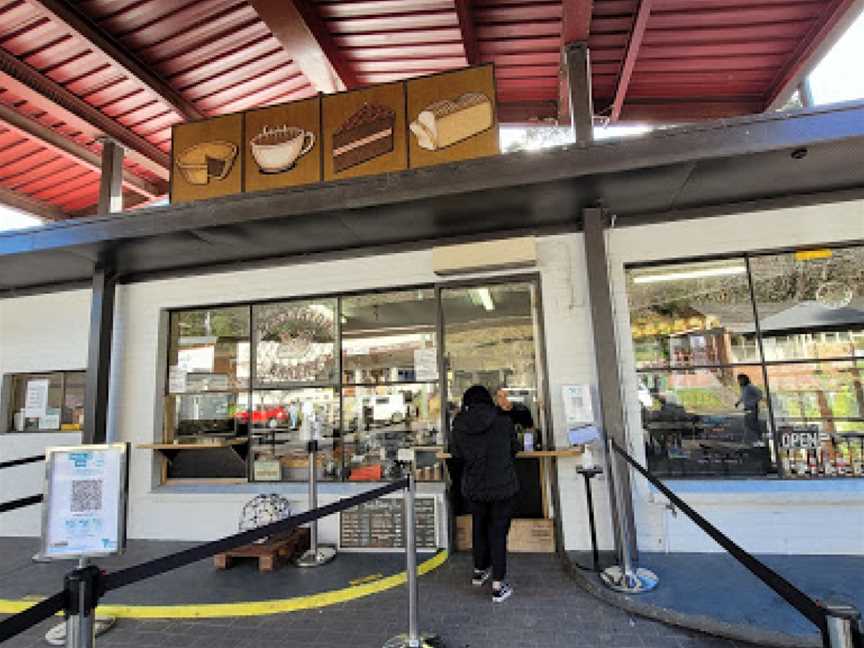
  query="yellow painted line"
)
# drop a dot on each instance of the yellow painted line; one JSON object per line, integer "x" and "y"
{"x": 366, "y": 579}
{"x": 250, "y": 608}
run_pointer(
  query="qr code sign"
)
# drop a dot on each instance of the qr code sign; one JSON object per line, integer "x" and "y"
{"x": 86, "y": 495}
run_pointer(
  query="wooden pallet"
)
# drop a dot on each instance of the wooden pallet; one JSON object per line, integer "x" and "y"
{"x": 268, "y": 553}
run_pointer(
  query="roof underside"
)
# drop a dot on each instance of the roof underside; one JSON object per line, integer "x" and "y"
{"x": 72, "y": 72}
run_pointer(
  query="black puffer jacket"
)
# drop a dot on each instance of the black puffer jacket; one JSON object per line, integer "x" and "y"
{"x": 485, "y": 439}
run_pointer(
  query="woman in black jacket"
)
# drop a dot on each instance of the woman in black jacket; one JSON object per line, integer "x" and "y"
{"x": 485, "y": 439}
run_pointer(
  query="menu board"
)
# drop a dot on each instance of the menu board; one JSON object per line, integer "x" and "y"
{"x": 378, "y": 524}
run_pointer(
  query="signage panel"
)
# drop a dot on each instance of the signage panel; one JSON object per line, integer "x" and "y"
{"x": 364, "y": 132}
{"x": 205, "y": 158}
{"x": 84, "y": 505}
{"x": 282, "y": 145}
{"x": 452, "y": 116}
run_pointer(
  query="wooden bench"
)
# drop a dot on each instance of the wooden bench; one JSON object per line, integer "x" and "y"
{"x": 268, "y": 553}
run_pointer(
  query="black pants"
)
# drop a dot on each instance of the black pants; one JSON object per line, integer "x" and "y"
{"x": 491, "y": 523}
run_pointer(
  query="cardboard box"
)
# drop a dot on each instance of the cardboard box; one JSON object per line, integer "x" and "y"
{"x": 527, "y": 535}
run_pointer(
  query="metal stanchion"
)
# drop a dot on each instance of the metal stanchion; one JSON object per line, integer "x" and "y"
{"x": 414, "y": 638}
{"x": 81, "y": 605}
{"x": 625, "y": 577}
{"x": 589, "y": 473}
{"x": 315, "y": 556}
{"x": 844, "y": 626}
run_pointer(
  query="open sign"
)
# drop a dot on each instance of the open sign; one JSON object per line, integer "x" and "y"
{"x": 809, "y": 440}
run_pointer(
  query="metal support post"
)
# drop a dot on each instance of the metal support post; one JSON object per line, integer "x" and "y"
{"x": 595, "y": 222}
{"x": 625, "y": 577}
{"x": 578, "y": 63}
{"x": 99, "y": 354}
{"x": 111, "y": 179}
{"x": 315, "y": 556}
{"x": 843, "y": 626}
{"x": 589, "y": 474}
{"x": 414, "y": 638}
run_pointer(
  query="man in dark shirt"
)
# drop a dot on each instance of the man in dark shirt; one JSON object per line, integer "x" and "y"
{"x": 518, "y": 413}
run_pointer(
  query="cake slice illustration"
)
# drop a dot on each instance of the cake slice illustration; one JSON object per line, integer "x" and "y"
{"x": 207, "y": 161}
{"x": 444, "y": 123}
{"x": 365, "y": 135}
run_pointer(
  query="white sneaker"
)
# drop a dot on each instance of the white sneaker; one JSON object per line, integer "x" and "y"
{"x": 502, "y": 593}
{"x": 480, "y": 577}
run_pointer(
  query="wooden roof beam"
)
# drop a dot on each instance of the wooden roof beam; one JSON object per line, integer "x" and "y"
{"x": 466, "y": 26}
{"x": 30, "y": 205}
{"x": 84, "y": 29}
{"x": 634, "y": 43}
{"x": 575, "y": 28}
{"x": 305, "y": 37}
{"x": 73, "y": 151}
{"x": 41, "y": 92}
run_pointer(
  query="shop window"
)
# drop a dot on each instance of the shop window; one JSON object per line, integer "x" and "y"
{"x": 282, "y": 422}
{"x": 491, "y": 339}
{"x": 360, "y": 373}
{"x": 389, "y": 337}
{"x": 379, "y": 420}
{"x": 811, "y": 303}
{"x": 803, "y": 310}
{"x": 45, "y": 402}
{"x": 692, "y": 315}
{"x": 695, "y": 424}
{"x": 295, "y": 342}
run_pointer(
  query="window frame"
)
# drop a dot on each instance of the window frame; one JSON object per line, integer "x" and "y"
{"x": 532, "y": 278}
{"x": 762, "y": 362}
{"x": 7, "y": 410}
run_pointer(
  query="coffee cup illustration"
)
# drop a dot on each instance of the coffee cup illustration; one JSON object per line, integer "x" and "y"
{"x": 277, "y": 149}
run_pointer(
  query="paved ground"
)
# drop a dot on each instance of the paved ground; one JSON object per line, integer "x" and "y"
{"x": 548, "y": 610}
{"x": 829, "y": 578}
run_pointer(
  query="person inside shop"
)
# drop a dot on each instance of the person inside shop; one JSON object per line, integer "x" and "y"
{"x": 749, "y": 398}
{"x": 484, "y": 438}
{"x": 516, "y": 411}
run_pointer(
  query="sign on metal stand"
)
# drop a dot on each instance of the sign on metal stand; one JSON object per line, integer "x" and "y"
{"x": 84, "y": 516}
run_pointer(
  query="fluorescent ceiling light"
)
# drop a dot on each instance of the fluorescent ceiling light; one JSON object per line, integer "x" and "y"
{"x": 690, "y": 274}
{"x": 486, "y": 299}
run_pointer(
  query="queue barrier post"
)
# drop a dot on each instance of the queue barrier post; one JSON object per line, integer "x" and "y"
{"x": 315, "y": 556}
{"x": 842, "y": 626}
{"x": 626, "y": 577}
{"x": 414, "y": 638}
{"x": 82, "y": 595}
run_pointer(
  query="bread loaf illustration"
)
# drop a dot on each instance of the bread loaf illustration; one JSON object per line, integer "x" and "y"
{"x": 449, "y": 121}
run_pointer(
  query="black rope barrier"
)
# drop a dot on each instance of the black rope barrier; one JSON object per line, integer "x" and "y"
{"x": 31, "y": 616}
{"x": 46, "y": 608}
{"x": 179, "y": 559}
{"x": 20, "y": 462}
{"x": 20, "y": 503}
{"x": 786, "y": 590}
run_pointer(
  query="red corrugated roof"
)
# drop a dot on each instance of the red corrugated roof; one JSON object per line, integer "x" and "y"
{"x": 688, "y": 59}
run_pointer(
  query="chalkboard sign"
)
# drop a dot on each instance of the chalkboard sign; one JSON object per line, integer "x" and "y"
{"x": 378, "y": 525}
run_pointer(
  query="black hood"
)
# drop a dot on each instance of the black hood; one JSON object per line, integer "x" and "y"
{"x": 476, "y": 419}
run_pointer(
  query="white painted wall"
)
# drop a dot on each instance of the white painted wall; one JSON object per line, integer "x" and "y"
{"x": 772, "y": 517}
{"x": 39, "y": 333}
